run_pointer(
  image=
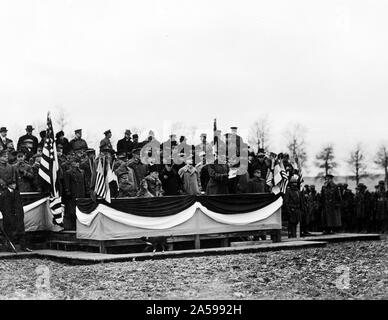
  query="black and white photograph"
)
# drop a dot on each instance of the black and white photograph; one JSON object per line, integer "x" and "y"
{"x": 209, "y": 152}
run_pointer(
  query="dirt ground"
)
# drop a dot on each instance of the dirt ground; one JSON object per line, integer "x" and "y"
{"x": 352, "y": 270}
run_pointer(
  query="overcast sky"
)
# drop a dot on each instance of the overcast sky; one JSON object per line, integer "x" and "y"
{"x": 117, "y": 64}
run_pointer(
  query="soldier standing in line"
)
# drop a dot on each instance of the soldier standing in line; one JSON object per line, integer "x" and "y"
{"x": 381, "y": 208}
{"x": 293, "y": 206}
{"x": 363, "y": 207}
{"x": 74, "y": 187}
{"x": 312, "y": 204}
{"x": 11, "y": 204}
{"x": 347, "y": 208}
{"x": 331, "y": 206}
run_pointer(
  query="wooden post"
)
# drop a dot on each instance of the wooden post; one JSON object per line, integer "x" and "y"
{"x": 197, "y": 242}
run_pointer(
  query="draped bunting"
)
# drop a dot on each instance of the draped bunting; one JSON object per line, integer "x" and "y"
{"x": 166, "y": 222}
{"x": 172, "y": 205}
{"x": 31, "y": 197}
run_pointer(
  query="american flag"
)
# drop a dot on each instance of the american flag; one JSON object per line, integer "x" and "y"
{"x": 101, "y": 187}
{"x": 280, "y": 178}
{"x": 48, "y": 170}
{"x": 104, "y": 177}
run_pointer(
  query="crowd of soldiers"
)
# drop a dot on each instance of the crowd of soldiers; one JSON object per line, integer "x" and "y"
{"x": 335, "y": 208}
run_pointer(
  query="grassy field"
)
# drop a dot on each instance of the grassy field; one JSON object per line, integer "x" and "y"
{"x": 353, "y": 270}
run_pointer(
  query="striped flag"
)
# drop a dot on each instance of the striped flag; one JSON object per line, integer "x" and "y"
{"x": 48, "y": 170}
{"x": 101, "y": 188}
{"x": 280, "y": 178}
{"x": 105, "y": 178}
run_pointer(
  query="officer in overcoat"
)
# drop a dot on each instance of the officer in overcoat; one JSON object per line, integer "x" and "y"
{"x": 331, "y": 205}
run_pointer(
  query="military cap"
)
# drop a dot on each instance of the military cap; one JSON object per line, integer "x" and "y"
{"x": 233, "y": 128}
{"x": 107, "y": 132}
{"x": 30, "y": 128}
{"x": 3, "y": 129}
{"x": 127, "y": 131}
{"x": 135, "y": 136}
{"x": 59, "y": 134}
{"x": 78, "y": 131}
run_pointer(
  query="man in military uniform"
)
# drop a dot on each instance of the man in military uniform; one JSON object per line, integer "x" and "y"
{"x": 293, "y": 206}
{"x": 78, "y": 143}
{"x": 10, "y": 203}
{"x": 74, "y": 187}
{"x": 138, "y": 167}
{"x": 312, "y": 204}
{"x": 363, "y": 202}
{"x": 331, "y": 205}
{"x": 347, "y": 207}
{"x": 381, "y": 208}
{"x": 203, "y": 151}
{"x": 105, "y": 143}
{"x": 24, "y": 173}
{"x": 32, "y": 142}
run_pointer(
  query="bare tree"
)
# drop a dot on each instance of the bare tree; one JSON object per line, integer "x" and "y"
{"x": 382, "y": 161}
{"x": 137, "y": 130}
{"x": 180, "y": 128}
{"x": 296, "y": 144}
{"x": 325, "y": 161}
{"x": 357, "y": 164}
{"x": 61, "y": 117}
{"x": 259, "y": 133}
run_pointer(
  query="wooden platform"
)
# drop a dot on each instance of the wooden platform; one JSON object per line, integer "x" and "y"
{"x": 79, "y": 257}
{"x": 67, "y": 241}
{"x": 318, "y": 236}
